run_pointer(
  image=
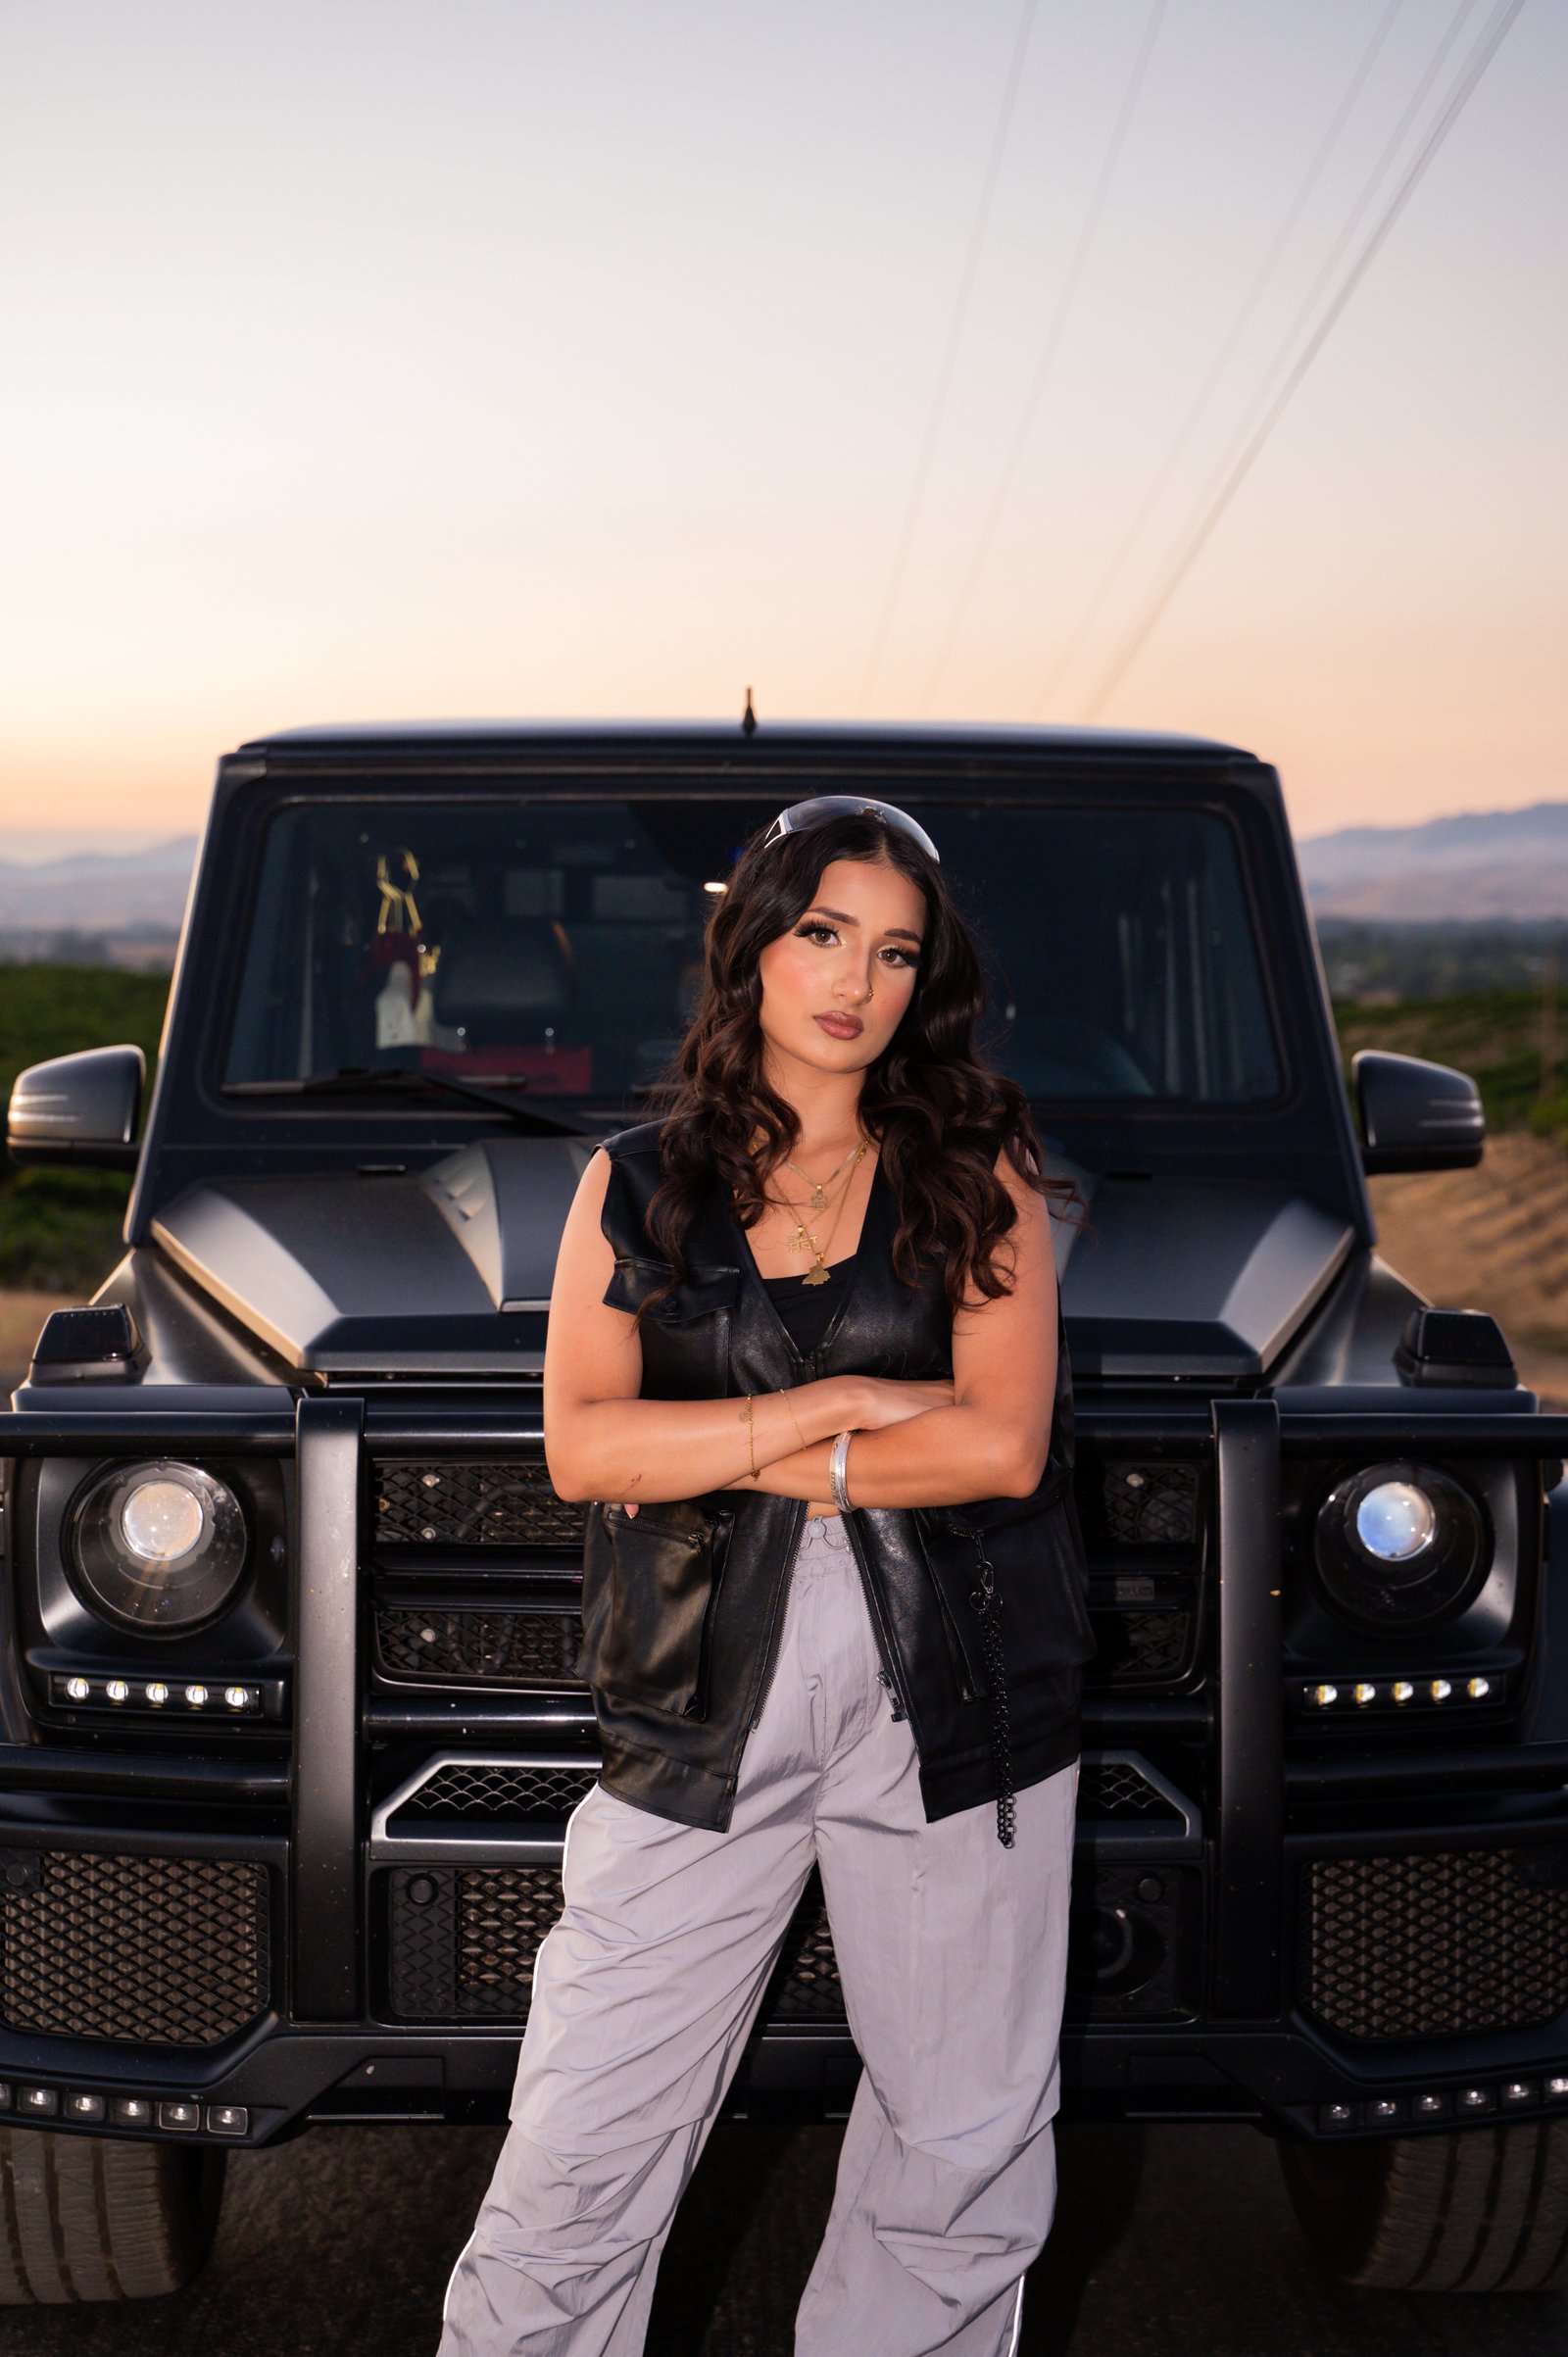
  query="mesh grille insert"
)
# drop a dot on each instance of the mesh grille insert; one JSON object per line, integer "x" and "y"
{"x": 477, "y": 1505}
{"x": 806, "y": 1983}
{"x": 477, "y": 1646}
{"x": 503, "y": 1915}
{"x": 1447, "y": 1944}
{"x": 1113, "y": 1788}
{"x": 519, "y": 1793}
{"x": 462, "y": 1940}
{"x": 1142, "y": 1645}
{"x": 463, "y": 1943}
{"x": 1151, "y": 1505}
{"x": 157, "y": 1951}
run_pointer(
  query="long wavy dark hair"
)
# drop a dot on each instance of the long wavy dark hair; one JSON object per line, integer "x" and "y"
{"x": 939, "y": 1111}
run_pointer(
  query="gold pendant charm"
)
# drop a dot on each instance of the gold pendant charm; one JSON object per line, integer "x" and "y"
{"x": 819, "y": 1201}
{"x": 816, "y": 1276}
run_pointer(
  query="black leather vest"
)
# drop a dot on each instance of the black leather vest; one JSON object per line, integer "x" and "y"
{"x": 979, "y": 1610}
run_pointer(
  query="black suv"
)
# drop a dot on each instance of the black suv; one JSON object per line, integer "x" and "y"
{"x": 290, "y": 1725}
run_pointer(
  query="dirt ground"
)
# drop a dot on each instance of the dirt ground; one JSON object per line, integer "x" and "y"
{"x": 1494, "y": 1238}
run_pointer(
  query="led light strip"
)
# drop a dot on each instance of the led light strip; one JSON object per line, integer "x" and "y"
{"x": 1400, "y": 1694}
{"x": 1444, "y": 2103}
{"x": 185, "y": 1697}
{"x": 88, "y": 2107}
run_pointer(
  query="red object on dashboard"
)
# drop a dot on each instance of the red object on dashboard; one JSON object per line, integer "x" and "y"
{"x": 557, "y": 1071}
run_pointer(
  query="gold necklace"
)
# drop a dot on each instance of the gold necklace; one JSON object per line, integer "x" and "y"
{"x": 803, "y": 1238}
{"x": 819, "y": 1187}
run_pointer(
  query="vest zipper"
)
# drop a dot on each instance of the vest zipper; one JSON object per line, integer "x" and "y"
{"x": 776, "y": 1617}
{"x": 888, "y": 1674}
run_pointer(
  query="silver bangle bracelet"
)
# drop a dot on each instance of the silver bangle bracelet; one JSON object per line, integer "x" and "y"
{"x": 838, "y": 1467}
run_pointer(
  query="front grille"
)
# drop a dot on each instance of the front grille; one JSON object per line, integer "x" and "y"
{"x": 1113, "y": 1789}
{"x": 461, "y": 1940}
{"x": 1146, "y": 1645}
{"x": 477, "y": 1505}
{"x": 480, "y": 1646}
{"x": 806, "y": 1983}
{"x": 462, "y": 1943}
{"x": 1151, "y": 1505}
{"x": 157, "y": 1951}
{"x": 521, "y": 1793}
{"x": 1444, "y": 1945}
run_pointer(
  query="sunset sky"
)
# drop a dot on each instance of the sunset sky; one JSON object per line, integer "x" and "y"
{"x": 382, "y": 360}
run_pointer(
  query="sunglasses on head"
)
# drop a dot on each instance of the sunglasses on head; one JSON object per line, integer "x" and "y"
{"x": 803, "y": 815}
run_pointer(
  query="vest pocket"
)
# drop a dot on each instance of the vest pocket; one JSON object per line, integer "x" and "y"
{"x": 650, "y": 1580}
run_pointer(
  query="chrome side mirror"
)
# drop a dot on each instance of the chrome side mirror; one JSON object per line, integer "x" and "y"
{"x": 80, "y": 1109}
{"x": 1414, "y": 1115}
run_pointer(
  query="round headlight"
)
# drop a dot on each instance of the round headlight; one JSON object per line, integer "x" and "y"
{"x": 1400, "y": 1546}
{"x": 158, "y": 1548}
{"x": 1396, "y": 1521}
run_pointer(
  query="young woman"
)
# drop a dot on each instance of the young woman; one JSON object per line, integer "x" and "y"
{"x": 805, "y": 1336}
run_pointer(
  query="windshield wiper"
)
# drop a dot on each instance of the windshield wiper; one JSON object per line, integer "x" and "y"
{"x": 370, "y": 1080}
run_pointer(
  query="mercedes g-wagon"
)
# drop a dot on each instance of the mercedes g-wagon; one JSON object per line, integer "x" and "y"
{"x": 290, "y": 1719}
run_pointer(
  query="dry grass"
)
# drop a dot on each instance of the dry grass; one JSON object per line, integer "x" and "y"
{"x": 21, "y": 1316}
{"x": 1494, "y": 1238}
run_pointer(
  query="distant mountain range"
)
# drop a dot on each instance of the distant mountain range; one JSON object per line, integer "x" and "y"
{"x": 1484, "y": 864}
{"x": 98, "y": 892}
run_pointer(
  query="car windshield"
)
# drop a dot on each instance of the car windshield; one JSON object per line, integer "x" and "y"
{"x": 557, "y": 945}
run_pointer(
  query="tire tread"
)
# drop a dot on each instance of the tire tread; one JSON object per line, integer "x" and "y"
{"x": 1482, "y": 2211}
{"x": 89, "y": 2219}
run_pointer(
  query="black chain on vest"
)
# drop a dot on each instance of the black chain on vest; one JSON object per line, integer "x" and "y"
{"x": 983, "y": 1601}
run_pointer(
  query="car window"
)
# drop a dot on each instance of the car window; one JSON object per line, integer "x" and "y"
{"x": 557, "y": 945}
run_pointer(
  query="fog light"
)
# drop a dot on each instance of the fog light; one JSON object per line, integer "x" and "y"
{"x": 1323, "y": 1696}
{"x": 195, "y": 1696}
{"x": 238, "y": 1697}
{"x": 1556, "y": 2088}
{"x": 118, "y": 1690}
{"x": 1478, "y": 1689}
{"x": 1366, "y": 1693}
{"x": 78, "y": 1689}
{"x": 1439, "y": 1690}
{"x": 157, "y": 1693}
{"x": 1401, "y": 1689}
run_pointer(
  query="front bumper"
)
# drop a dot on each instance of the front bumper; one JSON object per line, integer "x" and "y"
{"x": 387, "y": 1945}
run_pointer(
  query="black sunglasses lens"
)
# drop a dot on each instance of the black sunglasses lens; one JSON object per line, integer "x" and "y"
{"x": 803, "y": 815}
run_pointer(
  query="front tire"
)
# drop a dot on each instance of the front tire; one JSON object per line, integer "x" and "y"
{"x": 87, "y": 2218}
{"x": 1484, "y": 2211}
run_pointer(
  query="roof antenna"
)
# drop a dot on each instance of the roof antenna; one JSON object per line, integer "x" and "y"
{"x": 747, "y": 717}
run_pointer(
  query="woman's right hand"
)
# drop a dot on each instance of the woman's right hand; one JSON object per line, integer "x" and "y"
{"x": 878, "y": 1401}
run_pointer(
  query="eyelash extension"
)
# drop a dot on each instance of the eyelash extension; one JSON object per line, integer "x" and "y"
{"x": 812, "y": 932}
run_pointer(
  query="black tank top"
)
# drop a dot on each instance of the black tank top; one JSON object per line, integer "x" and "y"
{"x": 807, "y": 1310}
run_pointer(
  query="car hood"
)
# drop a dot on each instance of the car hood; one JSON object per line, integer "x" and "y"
{"x": 448, "y": 1271}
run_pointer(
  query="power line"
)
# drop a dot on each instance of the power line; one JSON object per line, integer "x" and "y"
{"x": 1463, "y": 89}
{"x": 949, "y": 353}
{"x": 1053, "y": 335}
{"x": 1248, "y": 305}
{"x": 1272, "y": 374}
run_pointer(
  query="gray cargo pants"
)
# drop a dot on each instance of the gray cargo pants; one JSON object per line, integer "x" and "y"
{"x": 953, "y": 1952}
